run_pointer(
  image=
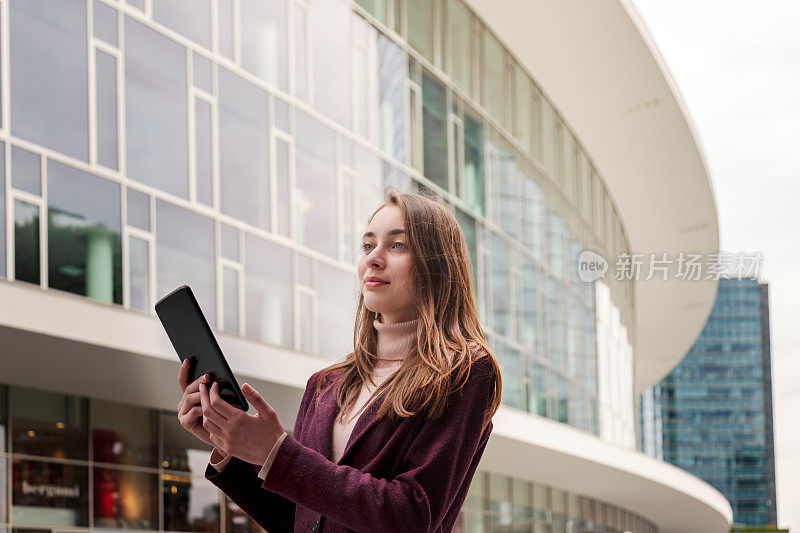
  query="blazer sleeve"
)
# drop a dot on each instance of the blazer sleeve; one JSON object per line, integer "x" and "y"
{"x": 435, "y": 467}
{"x": 240, "y": 482}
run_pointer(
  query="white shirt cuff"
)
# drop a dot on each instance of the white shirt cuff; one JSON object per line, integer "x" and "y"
{"x": 220, "y": 466}
{"x": 264, "y": 469}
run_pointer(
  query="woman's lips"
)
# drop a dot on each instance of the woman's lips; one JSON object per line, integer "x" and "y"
{"x": 375, "y": 283}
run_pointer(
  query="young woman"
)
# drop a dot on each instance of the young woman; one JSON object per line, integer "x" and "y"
{"x": 390, "y": 438}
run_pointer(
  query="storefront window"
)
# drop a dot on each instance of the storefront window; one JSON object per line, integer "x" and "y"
{"x": 190, "y": 504}
{"x": 124, "y": 434}
{"x": 182, "y": 450}
{"x": 48, "y": 424}
{"x": 124, "y": 499}
{"x": 49, "y": 494}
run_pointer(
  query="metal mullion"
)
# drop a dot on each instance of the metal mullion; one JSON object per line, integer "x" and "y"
{"x": 218, "y": 285}
{"x": 5, "y": 67}
{"x": 92, "y": 83}
{"x": 290, "y": 45}
{"x": 308, "y": 291}
{"x": 8, "y": 197}
{"x": 237, "y": 32}
{"x": 152, "y": 254}
{"x": 126, "y": 291}
{"x": 121, "y": 137}
{"x": 214, "y": 18}
{"x": 351, "y": 176}
{"x": 192, "y": 127}
{"x": 215, "y": 140}
{"x": 43, "y": 252}
{"x": 273, "y": 167}
{"x": 103, "y": 46}
{"x": 339, "y": 200}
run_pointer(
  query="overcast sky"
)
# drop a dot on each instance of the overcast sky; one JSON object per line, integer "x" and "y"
{"x": 737, "y": 66}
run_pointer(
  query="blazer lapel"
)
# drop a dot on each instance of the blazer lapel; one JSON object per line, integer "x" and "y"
{"x": 327, "y": 413}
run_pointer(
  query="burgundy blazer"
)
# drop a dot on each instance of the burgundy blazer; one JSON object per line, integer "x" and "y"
{"x": 410, "y": 475}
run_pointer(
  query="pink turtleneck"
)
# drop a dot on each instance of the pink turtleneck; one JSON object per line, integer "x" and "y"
{"x": 394, "y": 343}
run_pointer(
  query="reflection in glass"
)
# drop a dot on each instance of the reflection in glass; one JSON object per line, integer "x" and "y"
{"x": 529, "y": 329}
{"x": 156, "y": 110}
{"x": 185, "y": 252}
{"x": 190, "y": 504}
{"x": 192, "y": 20}
{"x": 84, "y": 248}
{"x": 537, "y": 391}
{"x": 125, "y": 499}
{"x": 49, "y": 75}
{"x": 230, "y": 299}
{"x": 282, "y": 177}
{"x": 124, "y": 434}
{"x": 138, "y": 209}
{"x": 391, "y": 67}
{"x": 268, "y": 293}
{"x": 512, "y": 376}
{"x": 244, "y": 150}
{"x": 182, "y": 450}
{"x": 26, "y": 242}
{"x": 139, "y": 251}
{"x": 316, "y": 186}
{"x": 49, "y": 494}
{"x": 434, "y": 130}
{"x": 48, "y": 424}
{"x": 203, "y": 150}
{"x": 331, "y": 58}
{"x": 495, "y": 61}
{"x": 106, "y": 66}
{"x": 474, "y": 193}
{"x": 263, "y": 34}
{"x": 506, "y": 195}
{"x": 501, "y": 303}
{"x": 104, "y": 22}
{"x": 460, "y": 49}
{"x": 26, "y": 171}
{"x": 533, "y": 218}
{"x": 419, "y": 25}
{"x": 337, "y": 294}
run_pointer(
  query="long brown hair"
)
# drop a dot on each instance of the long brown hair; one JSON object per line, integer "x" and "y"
{"x": 449, "y": 335}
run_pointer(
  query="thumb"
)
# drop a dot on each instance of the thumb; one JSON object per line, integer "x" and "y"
{"x": 255, "y": 398}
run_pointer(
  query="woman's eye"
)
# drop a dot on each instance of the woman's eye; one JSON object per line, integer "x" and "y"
{"x": 364, "y": 246}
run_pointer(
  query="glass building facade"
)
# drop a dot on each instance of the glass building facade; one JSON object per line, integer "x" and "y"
{"x": 239, "y": 146}
{"x": 712, "y": 415}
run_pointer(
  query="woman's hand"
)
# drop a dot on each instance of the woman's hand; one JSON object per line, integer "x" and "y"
{"x": 232, "y": 431}
{"x": 190, "y": 409}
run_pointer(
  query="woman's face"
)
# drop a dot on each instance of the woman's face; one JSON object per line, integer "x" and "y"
{"x": 386, "y": 255}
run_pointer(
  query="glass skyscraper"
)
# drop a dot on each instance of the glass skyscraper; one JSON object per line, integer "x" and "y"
{"x": 712, "y": 415}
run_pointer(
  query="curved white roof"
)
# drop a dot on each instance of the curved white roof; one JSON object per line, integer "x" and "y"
{"x": 598, "y": 65}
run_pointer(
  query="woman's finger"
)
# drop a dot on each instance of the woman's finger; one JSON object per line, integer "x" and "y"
{"x": 220, "y": 405}
{"x": 189, "y": 401}
{"x": 183, "y": 375}
{"x": 209, "y": 413}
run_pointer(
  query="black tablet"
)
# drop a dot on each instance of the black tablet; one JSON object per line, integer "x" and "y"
{"x": 191, "y": 336}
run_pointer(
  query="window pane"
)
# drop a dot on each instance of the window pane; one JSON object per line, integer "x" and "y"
{"x": 495, "y": 78}
{"x": 3, "y": 437}
{"x": 84, "y": 247}
{"x": 225, "y": 23}
{"x": 474, "y": 194}
{"x": 467, "y": 224}
{"x": 106, "y": 110}
{"x": 282, "y": 163}
{"x": 506, "y": 191}
{"x": 500, "y": 285}
{"x": 104, "y": 21}
{"x": 420, "y": 17}
{"x": 190, "y": 504}
{"x": 70, "y": 508}
{"x": 537, "y": 393}
{"x": 185, "y": 255}
{"x": 263, "y": 31}
{"x": 512, "y": 378}
{"x": 548, "y": 139}
{"x": 125, "y": 499}
{"x": 192, "y": 20}
{"x": 282, "y": 114}
{"x": 201, "y": 72}
{"x": 49, "y": 75}
{"x": 305, "y": 302}
{"x": 26, "y": 242}
{"x": 460, "y": 48}
{"x": 124, "y": 434}
{"x": 316, "y": 186}
{"x": 230, "y": 292}
{"x": 203, "y": 150}
{"x": 529, "y": 333}
{"x": 522, "y": 113}
{"x": 434, "y": 130}
{"x": 3, "y": 491}
{"x": 330, "y": 46}
{"x": 533, "y": 218}
{"x": 182, "y": 450}
{"x": 377, "y": 8}
{"x": 26, "y": 171}
{"x": 268, "y": 291}
{"x": 391, "y": 72}
{"x": 138, "y": 209}
{"x": 156, "y": 109}
{"x": 300, "y": 52}
{"x": 244, "y": 159}
{"x": 236, "y": 520}
{"x": 48, "y": 424}
{"x": 230, "y": 242}
{"x": 337, "y": 294}
{"x": 139, "y": 251}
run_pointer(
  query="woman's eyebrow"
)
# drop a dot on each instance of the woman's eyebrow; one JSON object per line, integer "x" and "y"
{"x": 392, "y": 232}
